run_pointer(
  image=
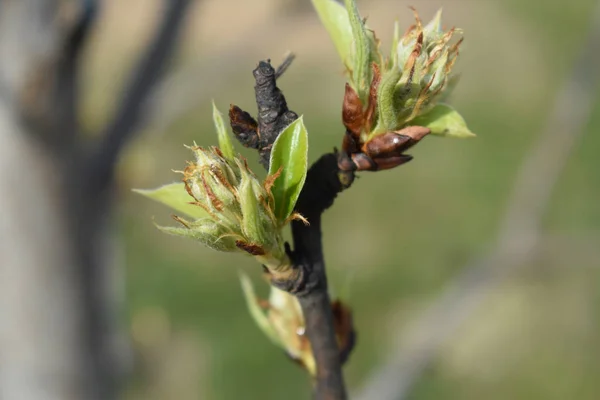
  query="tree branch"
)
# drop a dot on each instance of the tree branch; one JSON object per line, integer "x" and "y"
{"x": 143, "y": 80}
{"x": 66, "y": 91}
{"x": 320, "y": 189}
{"x": 519, "y": 234}
{"x": 89, "y": 180}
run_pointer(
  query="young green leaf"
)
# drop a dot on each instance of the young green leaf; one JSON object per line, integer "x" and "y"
{"x": 224, "y": 139}
{"x": 361, "y": 65}
{"x": 206, "y": 232}
{"x": 290, "y": 153}
{"x": 175, "y": 196}
{"x": 388, "y": 112}
{"x": 252, "y": 224}
{"x": 443, "y": 120}
{"x": 257, "y": 313}
{"x": 334, "y": 17}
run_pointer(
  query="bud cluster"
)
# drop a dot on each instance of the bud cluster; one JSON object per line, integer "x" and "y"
{"x": 239, "y": 208}
{"x": 391, "y": 103}
{"x": 424, "y": 58}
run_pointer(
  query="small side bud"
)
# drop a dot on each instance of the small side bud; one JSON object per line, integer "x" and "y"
{"x": 281, "y": 319}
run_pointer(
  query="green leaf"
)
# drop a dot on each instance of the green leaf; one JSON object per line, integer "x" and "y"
{"x": 224, "y": 139}
{"x": 290, "y": 153}
{"x": 334, "y": 17}
{"x": 434, "y": 27}
{"x": 388, "y": 112}
{"x": 361, "y": 63}
{"x": 175, "y": 196}
{"x": 443, "y": 120}
{"x": 256, "y": 311}
{"x": 206, "y": 232}
{"x": 252, "y": 225}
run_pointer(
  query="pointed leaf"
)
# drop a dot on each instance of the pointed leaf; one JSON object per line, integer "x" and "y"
{"x": 361, "y": 71}
{"x": 443, "y": 120}
{"x": 334, "y": 17}
{"x": 252, "y": 225}
{"x": 434, "y": 27}
{"x": 224, "y": 140}
{"x": 175, "y": 196}
{"x": 206, "y": 232}
{"x": 388, "y": 112}
{"x": 290, "y": 153}
{"x": 256, "y": 311}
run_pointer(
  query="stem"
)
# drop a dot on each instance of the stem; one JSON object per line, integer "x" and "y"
{"x": 321, "y": 187}
{"x": 307, "y": 279}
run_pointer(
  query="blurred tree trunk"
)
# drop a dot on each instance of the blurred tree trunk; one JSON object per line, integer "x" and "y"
{"x": 44, "y": 353}
{"x": 58, "y": 287}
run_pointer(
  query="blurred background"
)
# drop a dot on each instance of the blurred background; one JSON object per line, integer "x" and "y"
{"x": 448, "y": 296}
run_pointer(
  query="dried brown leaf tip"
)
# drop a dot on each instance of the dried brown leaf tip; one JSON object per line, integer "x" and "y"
{"x": 356, "y": 118}
{"x": 270, "y": 180}
{"x": 295, "y": 216}
{"x": 352, "y": 112}
{"x": 244, "y": 127}
{"x": 344, "y": 328}
{"x": 353, "y": 118}
{"x": 180, "y": 220}
{"x": 371, "y": 108}
{"x": 249, "y": 248}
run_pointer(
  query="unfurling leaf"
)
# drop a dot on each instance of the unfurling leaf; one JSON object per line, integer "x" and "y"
{"x": 252, "y": 218}
{"x": 175, "y": 196}
{"x": 224, "y": 139}
{"x": 443, "y": 120}
{"x": 290, "y": 153}
{"x": 205, "y": 231}
{"x": 361, "y": 65}
{"x": 388, "y": 112}
{"x": 256, "y": 311}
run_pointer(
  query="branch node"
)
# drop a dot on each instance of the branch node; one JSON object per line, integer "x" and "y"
{"x": 301, "y": 281}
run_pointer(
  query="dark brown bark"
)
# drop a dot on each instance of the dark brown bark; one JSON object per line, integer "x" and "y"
{"x": 320, "y": 189}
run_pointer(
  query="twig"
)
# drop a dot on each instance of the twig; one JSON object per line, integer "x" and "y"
{"x": 320, "y": 189}
{"x": 273, "y": 113}
{"x": 89, "y": 196}
{"x": 66, "y": 101}
{"x": 519, "y": 234}
{"x": 287, "y": 61}
{"x": 143, "y": 81}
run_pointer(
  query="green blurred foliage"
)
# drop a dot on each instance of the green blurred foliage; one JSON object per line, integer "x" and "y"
{"x": 394, "y": 239}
